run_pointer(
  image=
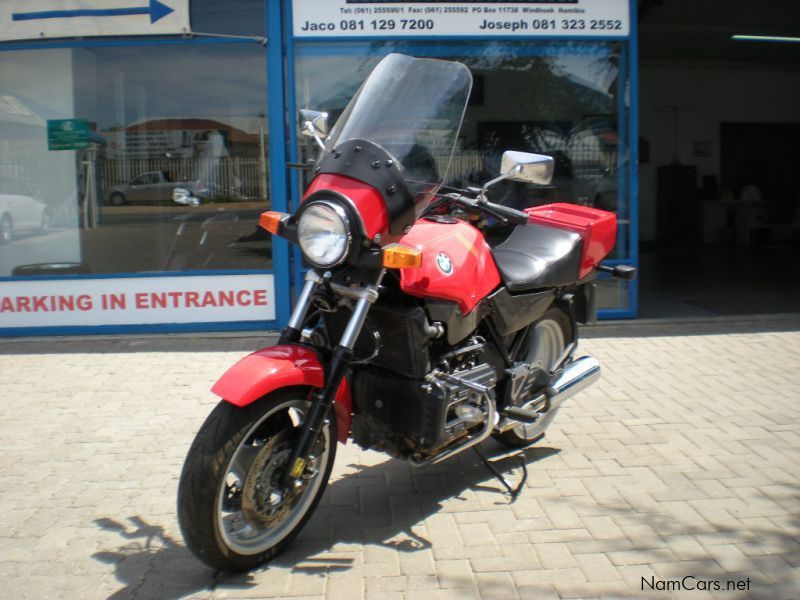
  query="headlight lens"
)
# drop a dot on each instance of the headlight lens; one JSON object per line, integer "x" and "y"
{"x": 323, "y": 232}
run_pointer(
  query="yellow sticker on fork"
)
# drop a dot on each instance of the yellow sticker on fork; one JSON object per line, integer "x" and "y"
{"x": 298, "y": 467}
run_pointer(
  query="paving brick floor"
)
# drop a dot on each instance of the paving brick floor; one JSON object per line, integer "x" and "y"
{"x": 682, "y": 462}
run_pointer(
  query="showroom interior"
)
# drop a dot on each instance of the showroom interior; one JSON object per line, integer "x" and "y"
{"x": 719, "y": 184}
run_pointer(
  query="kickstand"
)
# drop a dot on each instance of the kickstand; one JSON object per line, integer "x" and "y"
{"x": 513, "y": 492}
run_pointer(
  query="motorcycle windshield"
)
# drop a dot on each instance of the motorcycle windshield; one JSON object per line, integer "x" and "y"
{"x": 413, "y": 109}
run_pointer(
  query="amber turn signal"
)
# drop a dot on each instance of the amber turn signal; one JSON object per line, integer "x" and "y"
{"x": 271, "y": 221}
{"x": 397, "y": 256}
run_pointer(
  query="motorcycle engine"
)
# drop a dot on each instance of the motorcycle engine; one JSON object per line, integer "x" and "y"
{"x": 402, "y": 416}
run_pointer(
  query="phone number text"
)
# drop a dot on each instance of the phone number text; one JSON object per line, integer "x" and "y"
{"x": 373, "y": 25}
{"x": 571, "y": 26}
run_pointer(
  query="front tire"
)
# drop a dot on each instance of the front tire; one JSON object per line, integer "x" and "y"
{"x": 231, "y": 512}
{"x": 547, "y": 339}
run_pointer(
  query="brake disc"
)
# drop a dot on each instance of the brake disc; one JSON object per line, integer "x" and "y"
{"x": 265, "y": 503}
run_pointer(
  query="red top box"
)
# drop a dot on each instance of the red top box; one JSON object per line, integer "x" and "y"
{"x": 598, "y": 228}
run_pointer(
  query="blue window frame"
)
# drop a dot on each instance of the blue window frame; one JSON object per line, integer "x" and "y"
{"x": 625, "y": 176}
{"x": 282, "y": 53}
{"x": 272, "y": 78}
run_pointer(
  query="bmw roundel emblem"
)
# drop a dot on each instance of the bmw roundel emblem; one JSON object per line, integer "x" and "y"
{"x": 444, "y": 263}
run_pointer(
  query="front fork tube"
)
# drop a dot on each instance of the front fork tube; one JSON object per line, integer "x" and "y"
{"x": 340, "y": 361}
{"x": 291, "y": 333}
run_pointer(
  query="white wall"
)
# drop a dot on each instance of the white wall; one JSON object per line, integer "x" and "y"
{"x": 43, "y": 81}
{"x": 705, "y": 95}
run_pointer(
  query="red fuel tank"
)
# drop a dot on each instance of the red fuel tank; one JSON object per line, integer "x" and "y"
{"x": 457, "y": 264}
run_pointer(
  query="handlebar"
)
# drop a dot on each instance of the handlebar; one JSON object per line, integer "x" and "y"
{"x": 512, "y": 215}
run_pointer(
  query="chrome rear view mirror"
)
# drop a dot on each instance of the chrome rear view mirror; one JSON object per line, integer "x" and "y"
{"x": 528, "y": 167}
{"x": 315, "y": 125}
{"x": 523, "y": 166}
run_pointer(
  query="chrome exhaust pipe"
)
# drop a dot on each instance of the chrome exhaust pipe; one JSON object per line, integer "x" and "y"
{"x": 576, "y": 377}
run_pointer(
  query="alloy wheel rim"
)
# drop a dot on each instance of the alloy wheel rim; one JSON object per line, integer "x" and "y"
{"x": 244, "y": 536}
{"x": 546, "y": 346}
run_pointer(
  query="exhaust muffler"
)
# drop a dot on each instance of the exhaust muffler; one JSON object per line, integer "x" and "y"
{"x": 576, "y": 377}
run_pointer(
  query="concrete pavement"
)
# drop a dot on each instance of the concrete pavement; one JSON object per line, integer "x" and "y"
{"x": 679, "y": 468}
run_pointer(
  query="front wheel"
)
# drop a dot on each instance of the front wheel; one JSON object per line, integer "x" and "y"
{"x": 233, "y": 513}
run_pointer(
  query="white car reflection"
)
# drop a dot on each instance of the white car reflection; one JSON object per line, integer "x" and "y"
{"x": 20, "y": 214}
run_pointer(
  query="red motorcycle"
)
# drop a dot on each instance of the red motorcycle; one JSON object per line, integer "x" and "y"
{"x": 411, "y": 334}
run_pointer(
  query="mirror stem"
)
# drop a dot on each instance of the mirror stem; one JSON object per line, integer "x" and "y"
{"x": 502, "y": 177}
{"x": 310, "y": 127}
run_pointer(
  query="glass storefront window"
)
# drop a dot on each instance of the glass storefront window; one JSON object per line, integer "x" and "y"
{"x": 158, "y": 118}
{"x": 612, "y": 293}
{"x": 557, "y": 98}
{"x": 232, "y": 17}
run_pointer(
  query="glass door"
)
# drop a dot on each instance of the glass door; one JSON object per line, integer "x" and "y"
{"x": 566, "y": 99}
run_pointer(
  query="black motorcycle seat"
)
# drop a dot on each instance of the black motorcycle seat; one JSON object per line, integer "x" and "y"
{"x": 536, "y": 256}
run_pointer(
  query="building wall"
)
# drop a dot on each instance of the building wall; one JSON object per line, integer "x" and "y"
{"x": 681, "y": 104}
{"x": 44, "y": 83}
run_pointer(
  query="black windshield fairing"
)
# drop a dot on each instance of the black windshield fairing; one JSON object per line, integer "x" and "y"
{"x": 399, "y": 131}
{"x": 371, "y": 164}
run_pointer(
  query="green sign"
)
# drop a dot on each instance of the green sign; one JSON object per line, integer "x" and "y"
{"x": 67, "y": 134}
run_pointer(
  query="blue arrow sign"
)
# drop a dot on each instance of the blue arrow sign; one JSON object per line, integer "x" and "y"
{"x": 156, "y": 10}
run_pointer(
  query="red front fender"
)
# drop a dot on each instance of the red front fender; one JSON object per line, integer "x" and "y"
{"x": 275, "y": 367}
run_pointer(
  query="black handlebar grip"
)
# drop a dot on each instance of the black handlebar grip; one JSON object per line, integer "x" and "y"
{"x": 512, "y": 215}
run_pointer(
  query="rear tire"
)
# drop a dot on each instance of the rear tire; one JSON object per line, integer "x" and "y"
{"x": 547, "y": 339}
{"x": 225, "y": 489}
{"x": 117, "y": 199}
{"x": 44, "y": 225}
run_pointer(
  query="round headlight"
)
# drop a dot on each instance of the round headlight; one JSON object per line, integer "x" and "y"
{"x": 323, "y": 232}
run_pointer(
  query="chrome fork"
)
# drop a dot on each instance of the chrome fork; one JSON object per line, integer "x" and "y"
{"x": 363, "y": 296}
{"x": 342, "y": 356}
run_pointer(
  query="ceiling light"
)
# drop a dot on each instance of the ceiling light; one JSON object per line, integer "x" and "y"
{"x": 765, "y": 38}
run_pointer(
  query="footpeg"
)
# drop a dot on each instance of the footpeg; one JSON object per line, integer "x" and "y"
{"x": 522, "y": 415}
